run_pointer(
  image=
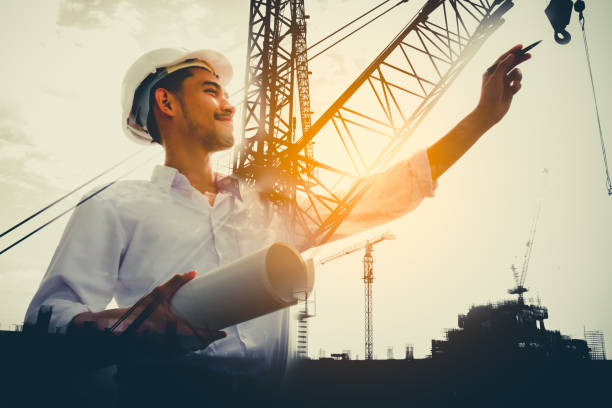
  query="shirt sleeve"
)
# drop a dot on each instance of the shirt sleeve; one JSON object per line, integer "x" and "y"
{"x": 392, "y": 194}
{"x": 83, "y": 272}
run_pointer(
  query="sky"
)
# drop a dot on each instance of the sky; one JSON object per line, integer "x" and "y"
{"x": 60, "y": 126}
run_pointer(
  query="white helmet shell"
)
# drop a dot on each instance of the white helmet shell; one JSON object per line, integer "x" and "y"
{"x": 148, "y": 64}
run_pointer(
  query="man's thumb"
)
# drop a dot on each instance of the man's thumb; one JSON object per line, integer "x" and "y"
{"x": 169, "y": 288}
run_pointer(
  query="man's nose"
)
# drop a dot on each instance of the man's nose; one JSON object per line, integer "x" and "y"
{"x": 227, "y": 107}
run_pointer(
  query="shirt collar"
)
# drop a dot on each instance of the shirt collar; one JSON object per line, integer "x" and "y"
{"x": 169, "y": 177}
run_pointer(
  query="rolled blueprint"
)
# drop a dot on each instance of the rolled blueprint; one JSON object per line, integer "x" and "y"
{"x": 254, "y": 285}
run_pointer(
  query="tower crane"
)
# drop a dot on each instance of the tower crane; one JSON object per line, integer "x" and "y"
{"x": 368, "y": 279}
{"x": 538, "y": 312}
{"x": 519, "y": 289}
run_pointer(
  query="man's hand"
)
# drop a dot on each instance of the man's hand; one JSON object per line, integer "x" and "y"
{"x": 159, "y": 320}
{"x": 499, "y": 86}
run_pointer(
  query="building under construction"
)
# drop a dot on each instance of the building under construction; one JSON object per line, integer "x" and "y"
{"x": 501, "y": 355}
{"x": 507, "y": 329}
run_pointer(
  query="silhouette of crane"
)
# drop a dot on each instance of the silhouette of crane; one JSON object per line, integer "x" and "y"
{"x": 368, "y": 279}
{"x": 519, "y": 289}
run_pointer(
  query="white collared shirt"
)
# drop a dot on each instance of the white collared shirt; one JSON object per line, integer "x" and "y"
{"x": 136, "y": 235}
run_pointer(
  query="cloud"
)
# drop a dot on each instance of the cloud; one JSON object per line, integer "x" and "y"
{"x": 12, "y": 127}
{"x": 19, "y": 156}
{"x": 152, "y": 24}
{"x": 60, "y": 94}
{"x": 88, "y": 14}
{"x": 324, "y": 4}
{"x": 332, "y": 73}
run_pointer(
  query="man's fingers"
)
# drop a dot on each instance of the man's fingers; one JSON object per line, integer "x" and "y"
{"x": 512, "y": 61}
{"x": 515, "y": 87}
{"x": 507, "y": 61}
{"x": 520, "y": 59}
{"x": 199, "y": 339}
{"x": 510, "y": 51}
{"x": 513, "y": 80}
{"x": 506, "y": 64}
{"x": 514, "y": 75}
{"x": 168, "y": 289}
{"x": 208, "y": 336}
{"x": 502, "y": 68}
{"x": 212, "y": 335}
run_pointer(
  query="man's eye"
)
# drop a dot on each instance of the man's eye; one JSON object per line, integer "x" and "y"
{"x": 211, "y": 91}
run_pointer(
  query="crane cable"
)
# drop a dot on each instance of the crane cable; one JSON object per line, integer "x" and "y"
{"x": 355, "y": 30}
{"x": 347, "y": 24}
{"x": 45, "y": 208}
{"x": 337, "y": 31}
{"x": 87, "y": 198}
{"x": 52, "y": 204}
{"x": 601, "y": 138}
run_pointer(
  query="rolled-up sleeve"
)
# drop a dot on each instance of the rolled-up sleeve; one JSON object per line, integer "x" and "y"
{"x": 83, "y": 272}
{"x": 391, "y": 194}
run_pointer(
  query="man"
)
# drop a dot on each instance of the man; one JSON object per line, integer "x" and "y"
{"x": 135, "y": 235}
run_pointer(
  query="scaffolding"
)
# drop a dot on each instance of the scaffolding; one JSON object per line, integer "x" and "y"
{"x": 409, "y": 352}
{"x": 509, "y": 329}
{"x": 595, "y": 342}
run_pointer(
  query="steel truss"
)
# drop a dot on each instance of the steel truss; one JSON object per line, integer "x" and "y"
{"x": 276, "y": 53}
{"x": 368, "y": 280}
{"x": 366, "y": 126}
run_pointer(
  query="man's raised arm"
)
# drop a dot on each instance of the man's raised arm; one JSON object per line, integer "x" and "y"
{"x": 401, "y": 188}
{"x": 498, "y": 89}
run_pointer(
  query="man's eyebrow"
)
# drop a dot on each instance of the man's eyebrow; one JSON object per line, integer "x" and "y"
{"x": 216, "y": 85}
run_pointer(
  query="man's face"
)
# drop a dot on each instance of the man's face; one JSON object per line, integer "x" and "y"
{"x": 206, "y": 111}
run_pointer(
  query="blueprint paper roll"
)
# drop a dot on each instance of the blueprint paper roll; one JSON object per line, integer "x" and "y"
{"x": 254, "y": 285}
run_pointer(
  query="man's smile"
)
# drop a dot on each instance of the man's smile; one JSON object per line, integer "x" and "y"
{"x": 224, "y": 118}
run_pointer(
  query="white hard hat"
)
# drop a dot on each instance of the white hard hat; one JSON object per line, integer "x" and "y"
{"x": 147, "y": 70}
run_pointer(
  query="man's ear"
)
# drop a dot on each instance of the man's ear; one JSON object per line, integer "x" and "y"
{"x": 165, "y": 101}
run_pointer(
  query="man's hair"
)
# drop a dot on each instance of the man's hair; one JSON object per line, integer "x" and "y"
{"x": 174, "y": 84}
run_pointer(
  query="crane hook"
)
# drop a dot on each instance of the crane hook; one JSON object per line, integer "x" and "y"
{"x": 559, "y": 13}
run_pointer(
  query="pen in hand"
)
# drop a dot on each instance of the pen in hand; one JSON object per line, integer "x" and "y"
{"x": 517, "y": 54}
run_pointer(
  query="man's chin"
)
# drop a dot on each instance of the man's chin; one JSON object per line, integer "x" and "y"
{"x": 224, "y": 142}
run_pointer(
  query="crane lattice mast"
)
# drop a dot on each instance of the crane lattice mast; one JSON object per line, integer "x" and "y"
{"x": 368, "y": 280}
{"x": 276, "y": 60}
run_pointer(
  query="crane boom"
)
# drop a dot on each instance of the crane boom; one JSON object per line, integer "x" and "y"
{"x": 358, "y": 246}
{"x": 529, "y": 247}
